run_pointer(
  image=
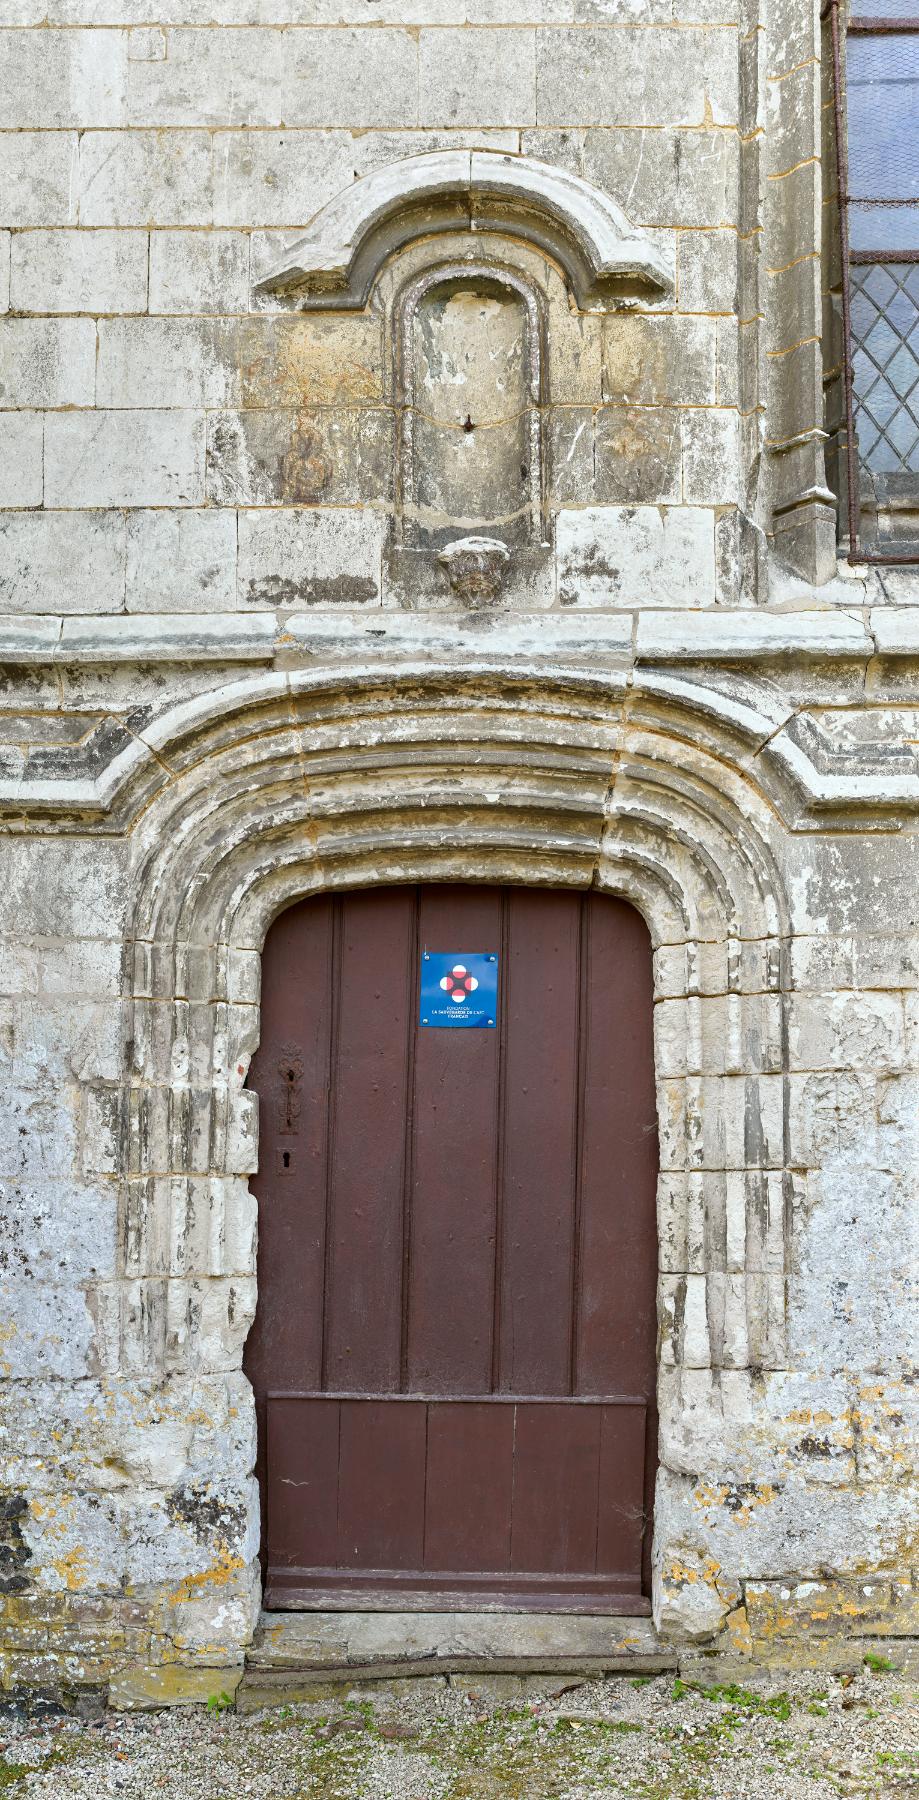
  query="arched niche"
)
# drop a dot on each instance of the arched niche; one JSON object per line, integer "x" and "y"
{"x": 469, "y": 380}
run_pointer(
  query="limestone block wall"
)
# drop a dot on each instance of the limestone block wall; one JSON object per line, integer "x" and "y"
{"x": 222, "y": 686}
{"x": 155, "y": 165}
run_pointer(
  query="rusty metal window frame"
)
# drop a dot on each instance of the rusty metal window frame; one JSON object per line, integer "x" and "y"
{"x": 866, "y": 27}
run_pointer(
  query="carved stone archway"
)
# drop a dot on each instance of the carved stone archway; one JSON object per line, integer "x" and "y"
{"x": 312, "y": 782}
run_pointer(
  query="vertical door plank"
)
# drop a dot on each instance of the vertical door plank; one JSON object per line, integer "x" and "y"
{"x": 367, "y": 1173}
{"x": 621, "y": 1522}
{"x": 556, "y": 1475}
{"x": 454, "y": 1155}
{"x": 616, "y": 1312}
{"x": 381, "y": 1484}
{"x": 469, "y": 1486}
{"x": 284, "y": 1348}
{"x": 303, "y": 1483}
{"x": 540, "y": 1143}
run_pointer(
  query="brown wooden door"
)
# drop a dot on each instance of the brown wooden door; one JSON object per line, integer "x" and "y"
{"x": 454, "y": 1350}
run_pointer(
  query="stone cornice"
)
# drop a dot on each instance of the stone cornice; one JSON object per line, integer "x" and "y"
{"x": 652, "y": 636}
{"x": 702, "y": 676}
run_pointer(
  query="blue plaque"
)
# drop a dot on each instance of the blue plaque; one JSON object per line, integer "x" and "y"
{"x": 459, "y": 987}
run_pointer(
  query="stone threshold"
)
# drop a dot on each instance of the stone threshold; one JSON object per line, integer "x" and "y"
{"x": 295, "y": 1654}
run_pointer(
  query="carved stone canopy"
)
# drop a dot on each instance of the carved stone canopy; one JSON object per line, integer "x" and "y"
{"x": 604, "y": 257}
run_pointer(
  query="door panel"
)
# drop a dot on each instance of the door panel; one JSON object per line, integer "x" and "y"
{"x": 413, "y": 1502}
{"x": 454, "y": 1351}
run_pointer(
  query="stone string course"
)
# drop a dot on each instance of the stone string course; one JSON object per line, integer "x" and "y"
{"x": 221, "y": 688}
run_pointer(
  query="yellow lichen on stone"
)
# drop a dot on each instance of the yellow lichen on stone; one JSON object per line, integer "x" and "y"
{"x": 218, "y": 1575}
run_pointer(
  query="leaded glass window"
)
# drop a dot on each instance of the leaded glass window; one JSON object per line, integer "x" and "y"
{"x": 877, "y": 116}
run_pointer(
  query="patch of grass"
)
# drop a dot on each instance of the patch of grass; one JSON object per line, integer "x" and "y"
{"x": 519, "y": 1755}
{"x": 331, "y": 1768}
{"x": 362, "y": 1709}
{"x": 58, "y": 1756}
{"x": 741, "y": 1700}
{"x": 879, "y": 1665}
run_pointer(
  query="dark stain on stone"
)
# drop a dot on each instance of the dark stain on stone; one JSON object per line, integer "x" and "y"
{"x": 332, "y": 590}
{"x": 738, "y": 1495}
{"x": 208, "y": 1514}
{"x": 305, "y": 468}
{"x": 25, "y": 1703}
{"x": 14, "y": 1551}
{"x": 591, "y": 565}
{"x": 812, "y": 1446}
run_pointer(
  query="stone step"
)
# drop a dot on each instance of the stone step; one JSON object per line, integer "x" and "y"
{"x": 293, "y": 1654}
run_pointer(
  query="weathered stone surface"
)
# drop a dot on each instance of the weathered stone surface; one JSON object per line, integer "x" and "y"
{"x": 659, "y": 362}
{"x": 37, "y": 177}
{"x": 277, "y": 177}
{"x": 289, "y": 457}
{"x": 636, "y": 455}
{"x": 199, "y": 272}
{"x": 219, "y": 651}
{"x": 707, "y": 271}
{"x": 711, "y": 457}
{"x": 75, "y": 272}
{"x": 62, "y": 561}
{"x": 665, "y": 177}
{"x": 47, "y": 362}
{"x": 590, "y": 77}
{"x": 135, "y": 177}
{"x": 635, "y": 556}
{"x": 21, "y": 466}
{"x": 259, "y": 362}
{"x": 463, "y": 82}
{"x": 290, "y": 1651}
{"x": 313, "y": 556}
{"x": 180, "y": 561}
{"x": 124, "y": 458}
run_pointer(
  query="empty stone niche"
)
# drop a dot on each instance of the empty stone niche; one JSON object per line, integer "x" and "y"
{"x": 468, "y": 389}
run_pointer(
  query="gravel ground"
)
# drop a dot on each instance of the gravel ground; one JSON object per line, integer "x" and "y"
{"x": 647, "y": 1738}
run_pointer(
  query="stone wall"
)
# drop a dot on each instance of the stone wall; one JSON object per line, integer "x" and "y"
{"x": 229, "y": 678}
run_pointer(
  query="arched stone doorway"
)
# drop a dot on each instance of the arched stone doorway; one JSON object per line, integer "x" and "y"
{"x": 285, "y": 786}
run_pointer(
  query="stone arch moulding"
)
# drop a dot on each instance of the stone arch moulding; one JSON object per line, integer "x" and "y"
{"x": 604, "y": 257}
{"x": 304, "y": 785}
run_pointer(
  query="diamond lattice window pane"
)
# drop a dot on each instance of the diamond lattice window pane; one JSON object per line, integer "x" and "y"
{"x": 879, "y": 285}
{"x": 885, "y": 365}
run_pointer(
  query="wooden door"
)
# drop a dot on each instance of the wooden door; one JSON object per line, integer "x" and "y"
{"x": 454, "y": 1351}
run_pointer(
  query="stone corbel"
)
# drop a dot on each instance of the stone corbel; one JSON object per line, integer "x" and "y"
{"x": 604, "y": 257}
